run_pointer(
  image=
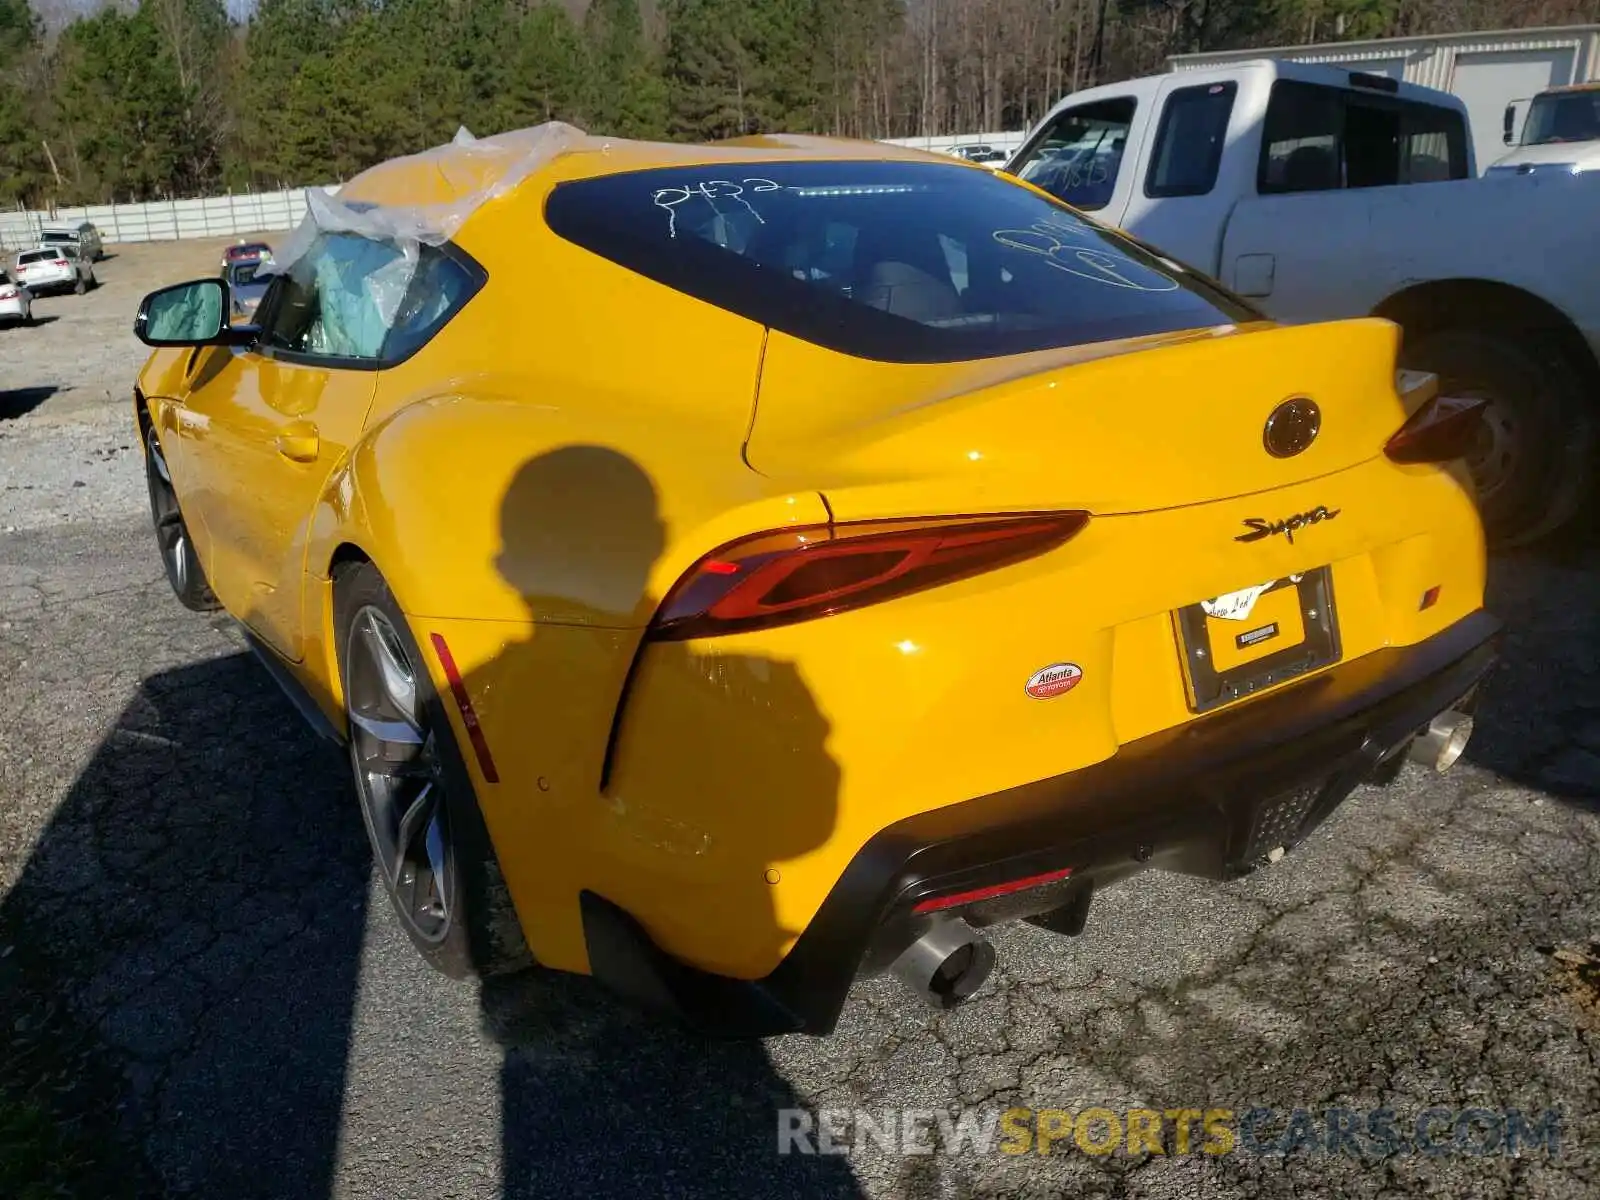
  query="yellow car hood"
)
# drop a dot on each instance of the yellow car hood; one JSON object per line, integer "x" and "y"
{"x": 1113, "y": 427}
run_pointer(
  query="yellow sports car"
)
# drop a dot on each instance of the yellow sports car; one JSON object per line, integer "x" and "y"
{"x": 737, "y": 569}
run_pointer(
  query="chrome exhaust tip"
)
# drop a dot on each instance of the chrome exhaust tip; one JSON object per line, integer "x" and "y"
{"x": 1442, "y": 742}
{"x": 947, "y": 965}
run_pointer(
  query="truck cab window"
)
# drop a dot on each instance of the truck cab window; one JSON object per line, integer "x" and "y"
{"x": 1323, "y": 138}
{"x": 1190, "y": 139}
{"x": 1300, "y": 146}
{"x": 1077, "y": 155}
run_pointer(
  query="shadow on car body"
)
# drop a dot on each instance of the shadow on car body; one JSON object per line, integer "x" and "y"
{"x": 188, "y": 932}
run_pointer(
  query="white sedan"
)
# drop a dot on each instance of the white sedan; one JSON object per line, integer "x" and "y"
{"x": 16, "y": 303}
{"x": 53, "y": 268}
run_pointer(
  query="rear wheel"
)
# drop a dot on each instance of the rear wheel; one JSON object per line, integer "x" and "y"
{"x": 428, "y": 838}
{"x": 1534, "y": 460}
{"x": 184, "y": 572}
{"x": 79, "y": 287}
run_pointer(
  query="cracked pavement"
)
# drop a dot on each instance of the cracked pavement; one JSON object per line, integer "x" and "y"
{"x": 203, "y": 986}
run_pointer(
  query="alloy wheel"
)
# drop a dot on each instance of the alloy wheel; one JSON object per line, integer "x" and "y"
{"x": 398, "y": 775}
{"x": 171, "y": 535}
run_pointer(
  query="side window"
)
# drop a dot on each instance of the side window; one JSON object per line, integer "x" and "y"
{"x": 1321, "y": 138}
{"x": 1190, "y": 140}
{"x": 332, "y": 304}
{"x": 1300, "y": 146}
{"x": 1433, "y": 144}
{"x": 1077, "y": 155}
{"x": 354, "y": 298}
{"x": 438, "y": 289}
{"x": 1371, "y": 143}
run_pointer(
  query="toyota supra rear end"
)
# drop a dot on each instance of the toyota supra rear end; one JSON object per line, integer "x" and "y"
{"x": 842, "y": 551}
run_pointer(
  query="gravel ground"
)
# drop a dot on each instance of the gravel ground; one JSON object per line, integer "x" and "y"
{"x": 204, "y": 994}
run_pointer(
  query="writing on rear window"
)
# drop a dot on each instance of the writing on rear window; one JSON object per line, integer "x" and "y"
{"x": 898, "y": 261}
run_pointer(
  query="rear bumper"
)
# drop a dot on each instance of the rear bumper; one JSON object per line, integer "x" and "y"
{"x": 1209, "y": 798}
{"x": 37, "y": 281}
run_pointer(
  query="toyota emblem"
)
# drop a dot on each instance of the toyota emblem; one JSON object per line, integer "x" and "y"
{"x": 1292, "y": 427}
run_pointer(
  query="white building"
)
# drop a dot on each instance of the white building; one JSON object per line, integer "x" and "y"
{"x": 1487, "y": 70}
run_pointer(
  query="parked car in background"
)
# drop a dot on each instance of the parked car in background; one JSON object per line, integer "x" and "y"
{"x": 54, "y": 269}
{"x": 979, "y": 153}
{"x": 243, "y": 251}
{"x": 246, "y": 286}
{"x": 16, "y": 303}
{"x": 1561, "y": 133}
{"x": 82, "y": 236}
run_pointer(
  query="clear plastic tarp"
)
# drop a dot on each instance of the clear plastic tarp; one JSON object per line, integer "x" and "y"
{"x": 361, "y": 281}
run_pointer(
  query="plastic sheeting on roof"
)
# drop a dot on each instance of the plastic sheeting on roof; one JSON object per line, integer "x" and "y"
{"x": 362, "y": 294}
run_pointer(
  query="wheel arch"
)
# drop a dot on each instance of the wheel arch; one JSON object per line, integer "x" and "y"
{"x": 1439, "y": 304}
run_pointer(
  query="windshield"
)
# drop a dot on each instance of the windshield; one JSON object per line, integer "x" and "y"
{"x": 243, "y": 273}
{"x": 1563, "y": 117}
{"x": 896, "y": 261}
{"x": 65, "y": 238}
{"x": 1076, "y": 156}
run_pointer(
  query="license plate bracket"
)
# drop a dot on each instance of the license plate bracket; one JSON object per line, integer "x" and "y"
{"x": 1211, "y": 687}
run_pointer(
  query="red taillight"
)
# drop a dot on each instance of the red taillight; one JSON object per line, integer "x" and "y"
{"x": 797, "y": 574}
{"x": 955, "y": 899}
{"x": 1443, "y": 429}
{"x": 60, "y": 262}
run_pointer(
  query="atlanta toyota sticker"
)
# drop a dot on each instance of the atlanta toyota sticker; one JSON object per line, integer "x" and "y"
{"x": 1054, "y": 680}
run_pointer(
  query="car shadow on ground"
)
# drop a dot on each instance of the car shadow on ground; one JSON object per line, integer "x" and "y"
{"x": 1539, "y": 720}
{"x": 19, "y": 402}
{"x": 186, "y": 935}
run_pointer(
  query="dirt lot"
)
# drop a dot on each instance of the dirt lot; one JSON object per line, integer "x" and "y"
{"x": 202, "y": 994}
{"x": 65, "y": 388}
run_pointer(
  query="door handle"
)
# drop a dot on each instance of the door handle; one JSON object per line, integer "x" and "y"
{"x": 298, "y": 442}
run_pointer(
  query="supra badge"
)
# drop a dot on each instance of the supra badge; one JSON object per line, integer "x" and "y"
{"x": 1260, "y": 527}
{"x": 1054, "y": 680}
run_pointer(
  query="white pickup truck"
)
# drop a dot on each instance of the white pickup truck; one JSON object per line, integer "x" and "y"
{"x": 1560, "y": 133}
{"x": 1319, "y": 192}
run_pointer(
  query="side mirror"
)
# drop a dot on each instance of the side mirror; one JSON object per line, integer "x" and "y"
{"x": 185, "y": 314}
{"x": 1509, "y": 125}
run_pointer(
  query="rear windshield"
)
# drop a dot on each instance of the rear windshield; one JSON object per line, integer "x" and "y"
{"x": 243, "y": 273}
{"x": 33, "y": 256}
{"x": 897, "y": 261}
{"x": 54, "y": 236}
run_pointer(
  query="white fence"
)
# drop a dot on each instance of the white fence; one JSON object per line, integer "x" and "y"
{"x": 166, "y": 220}
{"x": 1000, "y": 141}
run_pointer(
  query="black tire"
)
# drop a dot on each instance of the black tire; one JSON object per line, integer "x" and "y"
{"x": 1535, "y": 462}
{"x": 184, "y": 572}
{"x": 480, "y": 935}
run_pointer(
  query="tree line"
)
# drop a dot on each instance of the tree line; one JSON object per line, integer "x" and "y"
{"x": 160, "y": 98}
